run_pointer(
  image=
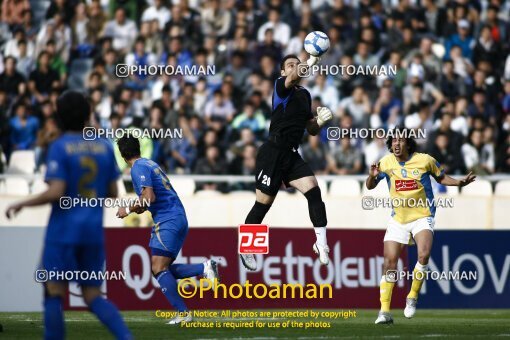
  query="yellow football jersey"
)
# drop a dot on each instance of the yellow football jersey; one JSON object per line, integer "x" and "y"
{"x": 410, "y": 182}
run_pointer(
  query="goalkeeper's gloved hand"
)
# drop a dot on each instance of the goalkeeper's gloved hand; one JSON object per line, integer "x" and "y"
{"x": 323, "y": 115}
{"x": 313, "y": 61}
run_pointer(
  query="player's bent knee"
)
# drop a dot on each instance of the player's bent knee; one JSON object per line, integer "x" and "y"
{"x": 90, "y": 294}
{"x": 390, "y": 263}
{"x": 53, "y": 289}
{"x": 316, "y": 207}
{"x": 424, "y": 258}
{"x": 159, "y": 264}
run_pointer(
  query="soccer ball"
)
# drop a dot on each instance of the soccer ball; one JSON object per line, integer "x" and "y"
{"x": 316, "y": 43}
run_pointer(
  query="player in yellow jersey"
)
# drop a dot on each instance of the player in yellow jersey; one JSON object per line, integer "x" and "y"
{"x": 407, "y": 174}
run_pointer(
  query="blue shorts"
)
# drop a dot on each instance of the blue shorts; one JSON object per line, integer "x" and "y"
{"x": 168, "y": 237}
{"x": 74, "y": 257}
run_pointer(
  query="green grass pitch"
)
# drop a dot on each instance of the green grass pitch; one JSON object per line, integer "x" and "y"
{"x": 460, "y": 324}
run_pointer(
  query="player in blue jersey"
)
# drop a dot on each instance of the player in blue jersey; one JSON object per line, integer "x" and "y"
{"x": 74, "y": 238}
{"x": 170, "y": 229}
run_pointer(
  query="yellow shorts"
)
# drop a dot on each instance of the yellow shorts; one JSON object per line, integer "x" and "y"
{"x": 404, "y": 232}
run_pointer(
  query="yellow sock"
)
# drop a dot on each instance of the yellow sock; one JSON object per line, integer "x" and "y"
{"x": 385, "y": 293}
{"x": 418, "y": 279}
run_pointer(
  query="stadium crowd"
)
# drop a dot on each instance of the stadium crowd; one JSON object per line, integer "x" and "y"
{"x": 452, "y": 59}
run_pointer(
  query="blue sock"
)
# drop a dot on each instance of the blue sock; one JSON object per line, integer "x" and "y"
{"x": 169, "y": 287}
{"x": 109, "y": 315}
{"x": 181, "y": 271}
{"x": 53, "y": 318}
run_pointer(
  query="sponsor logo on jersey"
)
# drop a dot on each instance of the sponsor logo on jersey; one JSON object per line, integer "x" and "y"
{"x": 405, "y": 184}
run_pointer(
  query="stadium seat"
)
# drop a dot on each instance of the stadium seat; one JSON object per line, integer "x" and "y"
{"x": 452, "y": 191}
{"x": 38, "y": 186}
{"x": 183, "y": 186}
{"x": 344, "y": 187}
{"x": 479, "y": 187}
{"x": 502, "y": 188}
{"x": 207, "y": 193}
{"x": 22, "y": 162}
{"x": 16, "y": 186}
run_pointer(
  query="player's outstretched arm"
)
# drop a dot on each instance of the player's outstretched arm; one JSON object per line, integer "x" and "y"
{"x": 314, "y": 125}
{"x": 56, "y": 189}
{"x": 372, "y": 175}
{"x": 450, "y": 181}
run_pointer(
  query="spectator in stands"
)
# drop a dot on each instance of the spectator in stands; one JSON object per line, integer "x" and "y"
{"x": 441, "y": 150}
{"x": 451, "y": 84}
{"x": 215, "y": 18}
{"x": 79, "y": 26}
{"x": 358, "y": 106}
{"x": 56, "y": 62}
{"x": 249, "y": 118}
{"x": 211, "y": 164}
{"x": 505, "y": 102}
{"x": 13, "y": 10}
{"x": 374, "y": 151}
{"x": 23, "y": 128}
{"x": 486, "y": 48}
{"x": 43, "y": 78}
{"x": 11, "y": 80}
{"x": 420, "y": 120}
{"x": 462, "y": 39}
{"x": 316, "y": 155}
{"x": 12, "y": 46}
{"x": 503, "y": 157}
{"x": 478, "y": 157}
{"x": 387, "y": 109}
{"x": 347, "y": 160}
{"x": 218, "y": 112}
{"x": 57, "y": 30}
{"x": 25, "y": 61}
{"x": 480, "y": 106}
{"x": 461, "y": 65}
{"x": 269, "y": 47}
{"x": 96, "y": 22}
{"x": 364, "y": 56}
{"x": 244, "y": 164}
{"x": 281, "y": 29}
{"x": 326, "y": 91}
{"x": 122, "y": 30}
{"x": 158, "y": 11}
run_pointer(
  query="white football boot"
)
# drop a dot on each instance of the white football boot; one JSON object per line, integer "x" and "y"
{"x": 322, "y": 252}
{"x": 180, "y": 318}
{"x": 248, "y": 261}
{"x": 410, "y": 309}
{"x": 211, "y": 271}
{"x": 384, "y": 318}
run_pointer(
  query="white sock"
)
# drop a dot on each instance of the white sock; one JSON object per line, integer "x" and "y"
{"x": 421, "y": 267}
{"x": 320, "y": 233}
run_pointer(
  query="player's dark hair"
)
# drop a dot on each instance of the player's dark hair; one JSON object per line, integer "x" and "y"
{"x": 129, "y": 146}
{"x": 288, "y": 56}
{"x": 73, "y": 110}
{"x": 405, "y": 133}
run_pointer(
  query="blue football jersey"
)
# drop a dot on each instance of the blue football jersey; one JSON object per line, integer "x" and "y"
{"x": 88, "y": 168}
{"x": 146, "y": 173}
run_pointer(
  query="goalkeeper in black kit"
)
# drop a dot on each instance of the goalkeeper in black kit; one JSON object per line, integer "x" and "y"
{"x": 278, "y": 159}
